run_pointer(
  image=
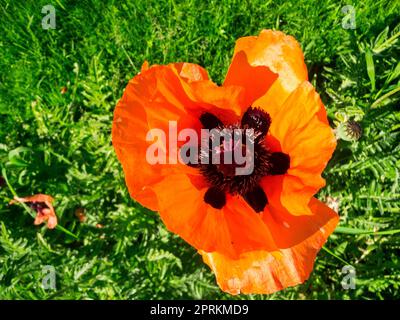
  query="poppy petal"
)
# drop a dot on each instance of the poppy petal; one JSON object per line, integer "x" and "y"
{"x": 224, "y": 102}
{"x": 190, "y": 82}
{"x": 35, "y": 198}
{"x": 52, "y": 222}
{"x": 190, "y": 71}
{"x": 48, "y": 215}
{"x": 256, "y": 80}
{"x": 265, "y": 272}
{"x": 151, "y": 99}
{"x": 308, "y": 142}
{"x": 232, "y": 230}
{"x": 282, "y": 54}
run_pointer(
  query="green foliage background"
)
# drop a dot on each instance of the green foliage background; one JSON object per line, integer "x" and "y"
{"x": 60, "y": 144}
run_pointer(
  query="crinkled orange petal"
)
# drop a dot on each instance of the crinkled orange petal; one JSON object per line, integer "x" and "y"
{"x": 256, "y": 80}
{"x": 265, "y": 272}
{"x": 145, "y": 66}
{"x": 34, "y": 198}
{"x": 190, "y": 82}
{"x": 308, "y": 141}
{"x": 48, "y": 215}
{"x": 234, "y": 229}
{"x": 190, "y": 71}
{"x": 151, "y": 100}
{"x": 282, "y": 54}
{"x": 52, "y": 222}
{"x": 128, "y": 136}
{"x": 229, "y": 100}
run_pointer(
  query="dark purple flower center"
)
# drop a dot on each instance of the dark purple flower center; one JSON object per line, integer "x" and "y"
{"x": 219, "y": 162}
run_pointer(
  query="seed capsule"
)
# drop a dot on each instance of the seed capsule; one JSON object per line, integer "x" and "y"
{"x": 349, "y": 131}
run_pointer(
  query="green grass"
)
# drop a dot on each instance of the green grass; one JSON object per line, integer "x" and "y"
{"x": 60, "y": 144}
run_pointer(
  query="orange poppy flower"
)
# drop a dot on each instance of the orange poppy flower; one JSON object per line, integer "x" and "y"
{"x": 259, "y": 233}
{"x": 42, "y": 204}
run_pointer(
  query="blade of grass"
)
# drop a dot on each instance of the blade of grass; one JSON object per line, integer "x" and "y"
{"x": 27, "y": 209}
{"x": 385, "y": 96}
{"x": 335, "y": 256}
{"x": 347, "y": 230}
{"x": 370, "y": 68}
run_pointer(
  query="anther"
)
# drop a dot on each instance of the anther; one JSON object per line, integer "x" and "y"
{"x": 256, "y": 198}
{"x": 209, "y": 121}
{"x": 280, "y": 163}
{"x": 258, "y": 120}
{"x": 215, "y": 197}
